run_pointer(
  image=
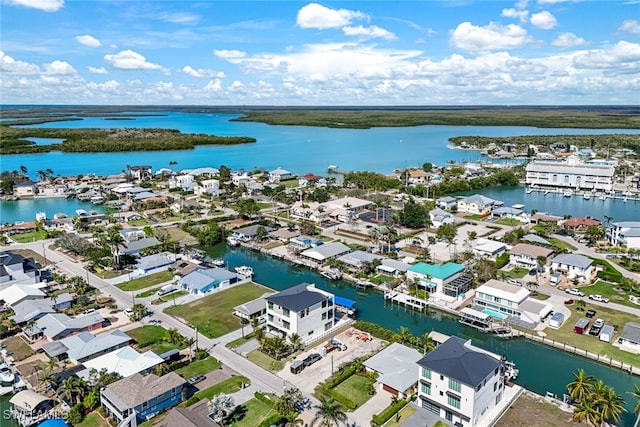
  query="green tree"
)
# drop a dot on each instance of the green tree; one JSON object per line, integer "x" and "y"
{"x": 581, "y": 386}
{"x": 261, "y": 233}
{"x": 610, "y": 404}
{"x": 225, "y": 174}
{"x": 296, "y": 341}
{"x": 636, "y": 394}
{"x": 328, "y": 414}
{"x": 413, "y": 215}
{"x": 427, "y": 167}
{"x": 247, "y": 208}
{"x": 75, "y": 415}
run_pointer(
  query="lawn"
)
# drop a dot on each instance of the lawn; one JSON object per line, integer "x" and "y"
{"x": 213, "y": 314}
{"x": 93, "y": 419}
{"x": 152, "y": 338}
{"x": 381, "y": 278}
{"x": 169, "y": 297}
{"x": 198, "y": 367}
{"x": 230, "y": 385}
{"x": 508, "y": 221}
{"x": 591, "y": 343}
{"x": 264, "y": 361}
{"x": 560, "y": 244}
{"x": 148, "y": 293}
{"x": 146, "y": 281}
{"x": 178, "y": 235}
{"x": 528, "y": 408}
{"x": 401, "y": 416}
{"x": 252, "y": 413}
{"x": 609, "y": 290}
{"x": 356, "y": 388}
{"x": 31, "y": 236}
{"x": 238, "y": 342}
{"x": 17, "y": 348}
{"x": 537, "y": 295}
{"x": 515, "y": 273}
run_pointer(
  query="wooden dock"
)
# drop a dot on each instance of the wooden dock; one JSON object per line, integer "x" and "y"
{"x": 406, "y": 300}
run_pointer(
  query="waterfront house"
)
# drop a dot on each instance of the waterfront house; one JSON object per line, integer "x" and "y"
{"x": 140, "y": 173}
{"x": 505, "y": 301}
{"x": 33, "y": 309}
{"x": 356, "y": 259}
{"x": 153, "y": 263}
{"x": 446, "y": 202}
{"x": 302, "y": 309}
{"x": 24, "y": 189}
{"x": 206, "y": 171}
{"x": 444, "y": 280}
{"x": 16, "y": 293}
{"x": 460, "y": 383}
{"x": 477, "y": 205}
{"x": 301, "y": 243}
{"x": 202, "y": 281}
{"x": 14, "y": 268}
{"x": 624, "y": 233}
{"x": 439, "y": 217}
{"x": 573, "y": 265}
{"x": 125, "y": 361}
{"x": 569, "y": 174}
{"x": 284, "y": 234}
{"x": 321, "y": 254}
{"x": 630, "y": 337}
{"x": 279, "y": 174}
{"x": 251, "y": 309}
{"x": 140, "y": 398}
{"x": 397, "y": 369}
{"x": 543, "y": 218}
{"x": 488, "y": 248}
{"x": 417, "y": 176}
{"x": 85, "y": 346}
{"x": 526, "y": 255}
{"x": 507, "y": 212}
{"x": 55, "y": 326}
{"x": 580, "y": 225}
{"x": 250, "y": 233}
{"x": 29, "y": 408}
{"x": 392, "y": 267}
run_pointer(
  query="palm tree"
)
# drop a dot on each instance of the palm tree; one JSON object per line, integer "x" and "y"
{"x": 405, "y": 335}
{"x": 636, "y": 393}
{"x": 581, "y": 386}
{"x": 173, "y": 336}
{"x": 541, "y": 260}
{"x": 610, "y": 403}
{"x": 259, "y": 334}
{"x": 115, "y": 242}
{"x": 296, "y": 341}
{"x": 586, "y": 411}
{"x": 220, "y": 407}
{"x": 328, "y": 414}
{"x": 580, "y": 305}
{"x": 428, "y": 343}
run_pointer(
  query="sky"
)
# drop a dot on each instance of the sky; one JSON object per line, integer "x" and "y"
{"x": 438, "y": 52}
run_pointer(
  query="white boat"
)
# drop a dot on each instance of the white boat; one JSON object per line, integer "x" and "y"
{"x": 232, "y": 241}
{"x": 245, "y": 271}
{"x": 603, "y": 197}
{"x": 7, "y": 376}
{"x": 529, "y": 190}
{"x": 218, "y": 262}
{"x": 568, "y": 193}
{"x": 586, "y": 196}
{"x": 332, "y": 274}
{"x": 510, "y": 370}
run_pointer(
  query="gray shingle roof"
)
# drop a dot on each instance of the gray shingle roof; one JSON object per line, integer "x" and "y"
{"x": 134, "y": 390}
{"x": 198, "y": 279}
{"x": 574, "y": 260}
{"x": 297, "y": 297}
{"x": 631, "y": 332}
{"x": 85, "y": 344}
{"x": 54, "y": 324}
{"x": 327, "y": 250}
{"x": 456, "y": 360}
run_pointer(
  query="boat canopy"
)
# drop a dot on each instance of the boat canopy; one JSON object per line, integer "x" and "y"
{"x": 470, "y": 313}
{"x": 344, "y": 302}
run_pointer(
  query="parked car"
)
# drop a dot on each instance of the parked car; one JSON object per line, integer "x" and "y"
{"x": 311, "y": 359}
{"x": 514, "y": 282}
{"x": 573, "y": 291}
{"x": 196, "y": 379}
{"x": 590, "y": 313}
{"x": 89, "y": 311}
{"x": 128, "y": 312}
{"x": 598, "y": 298}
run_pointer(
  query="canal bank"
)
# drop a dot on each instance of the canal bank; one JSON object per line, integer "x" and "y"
{"x": 542, "y": 369}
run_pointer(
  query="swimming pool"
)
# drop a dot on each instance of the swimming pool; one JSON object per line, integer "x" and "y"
{"x": 494, "y": 313}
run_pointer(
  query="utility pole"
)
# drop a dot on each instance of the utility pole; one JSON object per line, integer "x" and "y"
{"x": 196, "y": 338}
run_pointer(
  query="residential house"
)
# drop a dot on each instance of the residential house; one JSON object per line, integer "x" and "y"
{"x": 85, "y": 346}
{"x": 279, "y": 174}
{"x": 24, "y": 189}
{"x": 310, "y": 211}
{"x": 356, "y": 259}
{"x": 543, "y": 218}
{"x": 203, "y": 281}
{"x": 125, "y": 361}
{"x": 20, "y": 228}
{"x": 460, "y": 383}
{"x": 392, "y": 267}
{"x": 154, "y": 263}
{"x": 502, "y": 300}
{"x": 347, "y": 208}
{"x": 626, "y": 233}
{"x": 439, "y": 217}
{"x": 320, "y": 254}
{"x": 526, "y": 255}
{"x": 477, "y": 205}
{"x": 206, "y": 171}
{"x": 185, "y": 182}
{"x": 139, "y": 173}
{"x": 534, "y": 238}
{"x": 569, "y": 174}
{"x": 302, "y": 309}
{"x": 511, "y": 213}
{"x": 133, "y": 248}
{"x": 443, "y": 279}
{"x": 417, "y": 176}
{"x": 14, "y": 268}
{"x": 240, "y": 179}
{"x": 301, "y": 243}
{"x": 397, "y": 369}
{"x": 17, "y": 293}
{"x": 251, "y": 309}
{"x": 33, "y": 309}
{"x": 250, "y": 233}
{"x": 284, "y": 234}
{"x": 141, "y": 397}
{"x": 488, "y": 248}
{"x": 630, "y": 337}
{"x": 208, "y": 186}
{"x": 573, "y": 265}
{"x": 446, "y": 202}
{"x": 196, "y": 415}
{"x": 29, "y": 408}
{"x": 580, "y": 225}
{"x": 55, "y": 326}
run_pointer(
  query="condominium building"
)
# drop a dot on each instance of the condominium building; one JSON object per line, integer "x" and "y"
{"x": 570, "y": 174}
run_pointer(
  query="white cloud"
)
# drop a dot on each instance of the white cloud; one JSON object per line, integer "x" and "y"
{"x": 229, "y": 54}
{"x": 10, "y": 65}
{"x": 179, "y": 17}
{"x": 46, "y": 5}
{"x": 201, "y": 72}
{"x": 491, "y": 37}
{"x": 109, "y": 86}
{"x": 59, "y": 68}
{"x": 213, "y": 86}
{"x": 543, "y": 2}
{"x": 630, "y": 26}
{"x": 130, "y": 60}
{"x": 320, "y": 17}
{"x": 522, "y": 15}
{"x": 544, "y": 20}
{"x": 372, "y": 31}
{"x": 88, "y": 40}
{"x": 97, "y": 70}
{"x": 568, "y": 40}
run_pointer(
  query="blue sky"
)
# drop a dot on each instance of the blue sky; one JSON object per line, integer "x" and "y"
{"x": 448, "y": 52}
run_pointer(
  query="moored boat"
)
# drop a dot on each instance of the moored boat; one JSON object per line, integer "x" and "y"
{"x": 245, "y": 271}
{"x": 232, "y": 241}
{"x": 332, "y": 274}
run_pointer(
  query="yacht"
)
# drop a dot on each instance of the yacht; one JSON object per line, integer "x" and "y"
{"x": 529, "y": 190}
{"x": 332, "y": 274}
{"x": 568, "y": 193}
{"x": 7, "y": 376}
{"x": 586, "y": 196}
{"x": 232, "y": 241}
{"x": 245, "y": 271}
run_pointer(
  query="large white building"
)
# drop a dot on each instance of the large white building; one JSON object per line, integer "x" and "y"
{"x": 570, "y": 174}
{"x": 625, "y": 233}
{"x": 461, "y": 383}
{"x": 302, "y": 309}
{"x": 505, "y": 301}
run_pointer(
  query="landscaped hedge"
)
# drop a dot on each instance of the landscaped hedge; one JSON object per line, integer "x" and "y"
{"x": 263, "y": 398}
{"x": 375, "y": 330}
{"x": 609, "y": 273}
{"x": 273, "y": 419}
{"x": 388, "y": 412}
{"x": 343, "y": 400}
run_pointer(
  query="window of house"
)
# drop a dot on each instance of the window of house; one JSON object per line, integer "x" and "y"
{"x": 448, "y": 415}
{"x": 425, "y": 388}
{"x": 286, "y": 324}
{"x": 330, "y": 313}
{"x": 310, "y": 333}
{"x": 324, "y": 304}
{"x": 441, "y": 377}
{"x": 453, "y": 401}
{"x": 270, "y": 306}
{"x": 328, "y": 326}
{"x": 454, "y": 385}
{"x": 270, "y": 317}
{"x": 426, "y": 373}
{"x": 285, "y": 312}
{"x": 324, "y": 316}
{"x": 479, "y": 387}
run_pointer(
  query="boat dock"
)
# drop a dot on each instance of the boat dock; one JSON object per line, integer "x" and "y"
{"x": 406, "y": 300}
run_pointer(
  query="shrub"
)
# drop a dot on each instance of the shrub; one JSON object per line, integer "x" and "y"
{"x": 375, "y": 330}
{"x": 388, "y": 412}
{"x": 263, "y": 398}
{"x": 348, "y": 403}
{"x": 273, "y": 419}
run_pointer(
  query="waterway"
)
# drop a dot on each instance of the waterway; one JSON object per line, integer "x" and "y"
{"x": 12, "y": 211}
{"x": 542, "y": 368}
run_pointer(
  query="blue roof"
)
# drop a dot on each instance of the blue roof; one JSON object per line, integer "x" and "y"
{"x": 343, "y": 302}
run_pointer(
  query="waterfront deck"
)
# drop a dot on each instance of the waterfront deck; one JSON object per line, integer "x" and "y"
{"x": 406, "y": 300}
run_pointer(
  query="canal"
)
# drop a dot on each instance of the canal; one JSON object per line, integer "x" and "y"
{"x": 542, "y": 368}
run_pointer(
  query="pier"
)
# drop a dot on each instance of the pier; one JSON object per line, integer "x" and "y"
{"x": 406, "y": 300}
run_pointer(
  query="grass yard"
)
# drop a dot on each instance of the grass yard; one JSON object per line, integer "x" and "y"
{"x": 139, "y": 222}
{"x": 152, "y": 338}
{"x": 93, "y": 419}
{"x": 541, "y": 297}
{"x": 178, "y": 235}
{"x": 476, "y": 217}
{"x": 213, "y": 314}
{"x": 508, "y": 221}
{"x": 146, "y": 281}
{"x": 251, "y": 413}
{"x": 381, "y": 278}
{"x": 238, "y": 342}
{"x": 107, "y": 274}
{"x": 148, "y": 292}
{"x": 528, "y": 408}
{"x": 609, "y": 290}
{"x": 230, "y": 385}
{"x": 560, "y": 244}
{"x": 198, "y": 367}
{"x": 591, "y": 343}
{"x": 356, "y": 388}
{"x": 265, "y": 362}
{"x": 17, "y": 348}
{"x": 401, "y": 416}
{"x": 28, "y": 253}
{"x": 169, "y": 297}
{"x": 31, "y": 236}
{"x": 515, "y": 273}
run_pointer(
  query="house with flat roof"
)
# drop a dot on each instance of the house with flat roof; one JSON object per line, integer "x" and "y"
{"x": 85, "y": 346}
{"x": 345, "y": 209}
{"x": 445, "y": 279}
{"x": 526, "y": 255}
{"x": 569, "y": 174}
{"x": 477, "y": 204}
{"x": 302, "y": 309}
{"x": 487, "y": 248}
{"x": 14, "y": 268}
{"x": 202, "y": 281}
{"x": 125, "y": 361}
{"x": 392, "y": 267}
{"x": 630, "y": 337}
{"x": 446, "y": 202}
{"x": 140, "y": 397}
{"x": 55, "y": 326}
{"x": 309, "y": 211}
{"x": 461, "y": 383}
{"x": 505, "y": 301}
{"x": 33, "y": 309}
{"x": 320, "y": 254}
{"x": 279, "y": 174}
{"x": 301, "y": 242}
{"x": 624, "y": 233}
{"x": 511, "y": 213}
{"x": 573, "y": 266}
{"x": 397, "y": 369}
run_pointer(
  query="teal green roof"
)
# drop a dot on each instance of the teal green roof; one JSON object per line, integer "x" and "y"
{"x": 437, "y": 271}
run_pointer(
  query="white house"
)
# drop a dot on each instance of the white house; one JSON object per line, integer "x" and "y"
{"x": 279, "y": 174}
{"x": 346, "y": 209}
{"x": 302, "y": 309}
{"x": 488, "y": 248}
{"x": 311, "y": 211}
{"x": 14, "y": 268}
{"x": 573, "y": 265}
{"x": 446, "y": 202}
{"x": 501, "y": 300}
{"x": 396, "y": 368}
{"x": 461, "y": 383}
{"x": 185, "y": 182}
{"x": 208, "y": 186}
{"x": 511, "y": 213}
{"x": 440, "y": 217}
{"x": 240, "y": 179}
{"x": 126, "y": 361}
{"x": 477, "y": 205}
{"x": 322, "y": 253}
{"x": 526, "y": 255}
{"x": 625, "y": 233}
{"x": 630, "y": 337}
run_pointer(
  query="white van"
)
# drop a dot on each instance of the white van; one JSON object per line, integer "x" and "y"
{"x": 167, "y": 289}
{"x": 555, "y": 279}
